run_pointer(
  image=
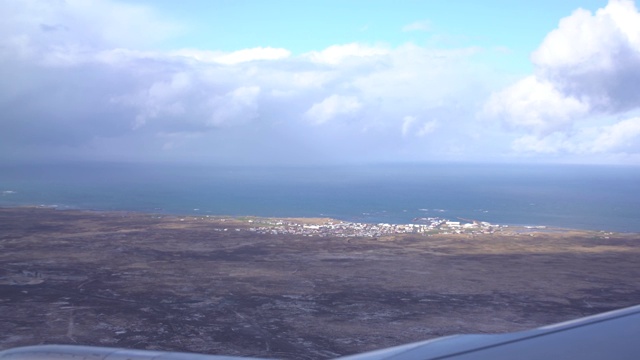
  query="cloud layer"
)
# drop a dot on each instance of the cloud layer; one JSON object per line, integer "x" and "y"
{"x": 82, "y": 83}
{"x": 86, "y": 81}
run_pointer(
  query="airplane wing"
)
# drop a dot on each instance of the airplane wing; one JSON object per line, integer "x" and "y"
{"x": 73, "y": 352}
{"x": 611, "y": 335}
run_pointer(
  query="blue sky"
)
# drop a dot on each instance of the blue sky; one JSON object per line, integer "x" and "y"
{"x": 279, "y": 82}
{"x": 303, "y": 26}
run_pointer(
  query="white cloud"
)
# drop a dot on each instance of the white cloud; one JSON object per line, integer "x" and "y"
{"x": 621, "y": 136}
{"x": 161, "y": 98}
{"x": 259, "y": 53}
{"x": 595, "y": 56}
{"x": 535, "y": 105}
{"x": 332, "y": 107}
{"x": 423, "y": 25}
{"x": 235, "y": 57}
{"x": 420, "y": 77}
{"x": 591, "y": 41}
{"x": 337, "y": 54}
{"x": 237, "y": 106}
{"x": 412, "y": 126}
{"x": 587, "y": 68}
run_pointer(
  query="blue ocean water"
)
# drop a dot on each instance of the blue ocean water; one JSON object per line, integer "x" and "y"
{"x": 570, "y": 196}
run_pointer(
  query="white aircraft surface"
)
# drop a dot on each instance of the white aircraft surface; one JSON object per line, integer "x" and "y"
{"x": 613, "y": 335}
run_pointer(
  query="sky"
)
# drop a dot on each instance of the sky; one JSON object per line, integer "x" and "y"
{"x": 320, "y": 82}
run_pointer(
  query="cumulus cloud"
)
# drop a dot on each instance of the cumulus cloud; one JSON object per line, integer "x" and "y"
{"x": 595, "y": 56}
{"x": 588, "y": 67}
{"x": 332, "y": 106}
{"x": 536, "y": 104}
{"x": 336, "y": 54}
{"x": 621, "y": 137}
{"x": 235, "y": 57}
{"x": 239, "y": 105}
{"x": 162, "y": 97}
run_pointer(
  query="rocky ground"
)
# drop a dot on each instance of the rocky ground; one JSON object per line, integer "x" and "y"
{"x": 150, "y": 282}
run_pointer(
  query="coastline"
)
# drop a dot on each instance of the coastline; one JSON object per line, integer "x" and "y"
{"x": 336, "y": 227}
{"x": 377, "y": 194}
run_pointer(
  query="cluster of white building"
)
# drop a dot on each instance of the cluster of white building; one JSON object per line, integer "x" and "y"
{"x": 354, "y": 229}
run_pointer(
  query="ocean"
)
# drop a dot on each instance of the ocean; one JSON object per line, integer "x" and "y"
{"x": 569, "y": 196}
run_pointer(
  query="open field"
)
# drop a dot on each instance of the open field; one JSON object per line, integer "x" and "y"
{"x": 184, "y": 284}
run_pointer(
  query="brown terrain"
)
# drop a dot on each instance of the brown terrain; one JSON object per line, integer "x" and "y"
{"x": 179, "y": 283}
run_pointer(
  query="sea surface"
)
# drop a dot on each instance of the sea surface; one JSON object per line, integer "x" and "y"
{"x": 568, "y": 196}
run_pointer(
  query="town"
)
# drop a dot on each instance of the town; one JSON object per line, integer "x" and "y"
{"x": 426, "y": 227}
